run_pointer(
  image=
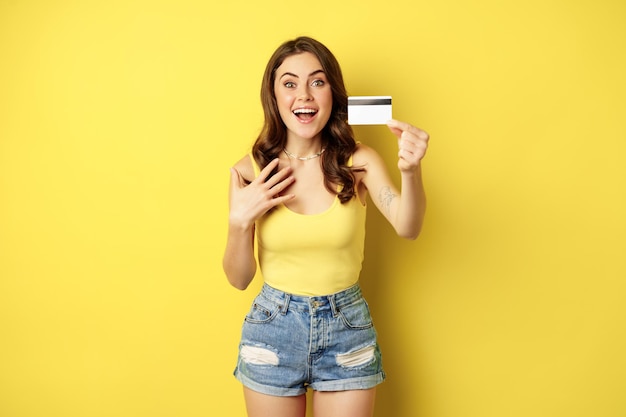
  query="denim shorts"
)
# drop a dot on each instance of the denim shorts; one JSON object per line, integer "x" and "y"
{"x": 290, "y": 343}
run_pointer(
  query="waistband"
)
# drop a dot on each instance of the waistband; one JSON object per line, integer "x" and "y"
{"x": 331, "y": 302}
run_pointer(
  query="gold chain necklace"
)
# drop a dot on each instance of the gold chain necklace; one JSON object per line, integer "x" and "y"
{"x": 303, "y": 158}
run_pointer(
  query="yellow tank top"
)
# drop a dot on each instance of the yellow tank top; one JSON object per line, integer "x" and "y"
{"x": 315, "y": 254}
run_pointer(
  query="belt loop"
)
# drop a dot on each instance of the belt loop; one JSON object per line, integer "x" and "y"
{"x": 286, "y": 305}
{"x": 333, "y": 306}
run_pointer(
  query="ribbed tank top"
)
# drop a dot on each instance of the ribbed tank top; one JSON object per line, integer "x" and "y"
{"x": 311, "y": 255}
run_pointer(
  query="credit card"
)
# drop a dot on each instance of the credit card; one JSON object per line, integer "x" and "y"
{"x": 369, "y": 110}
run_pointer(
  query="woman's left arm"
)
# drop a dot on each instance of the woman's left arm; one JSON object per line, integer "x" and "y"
{"x": 404, "y": 209}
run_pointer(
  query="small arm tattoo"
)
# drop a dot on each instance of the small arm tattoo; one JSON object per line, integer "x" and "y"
{"x": 385, "y": 197}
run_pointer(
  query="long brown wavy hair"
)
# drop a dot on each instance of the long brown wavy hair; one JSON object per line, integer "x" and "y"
{"x": 337, "y": 136}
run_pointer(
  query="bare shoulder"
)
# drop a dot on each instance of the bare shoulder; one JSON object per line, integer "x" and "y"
{"x": 366, "y": 157}
{"x": 245, "y": 168}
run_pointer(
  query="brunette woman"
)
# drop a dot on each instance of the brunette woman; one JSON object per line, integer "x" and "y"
{"x": 301, "y": 194}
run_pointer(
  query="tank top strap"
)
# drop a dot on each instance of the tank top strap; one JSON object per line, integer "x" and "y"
{"x": 256, "y": 168}
{"x": 350, "y": 161}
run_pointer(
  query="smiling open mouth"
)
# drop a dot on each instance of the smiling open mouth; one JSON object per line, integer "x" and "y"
{"x": 305, "y": 114}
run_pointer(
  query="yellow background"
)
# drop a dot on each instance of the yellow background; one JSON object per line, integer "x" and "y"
{"x": 119, "y": 121}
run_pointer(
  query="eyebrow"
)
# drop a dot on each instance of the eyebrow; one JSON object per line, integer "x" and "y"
{"x": 310, "y": 75}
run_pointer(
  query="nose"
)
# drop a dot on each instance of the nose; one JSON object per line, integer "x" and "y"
{"x": 305, "y": 94}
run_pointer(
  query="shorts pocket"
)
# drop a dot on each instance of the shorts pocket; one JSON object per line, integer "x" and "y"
{"x": 262, "y": 311}
{"x": 356, "y": 315}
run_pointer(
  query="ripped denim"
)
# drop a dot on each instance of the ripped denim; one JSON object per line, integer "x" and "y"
{"x": 290, "y": 343}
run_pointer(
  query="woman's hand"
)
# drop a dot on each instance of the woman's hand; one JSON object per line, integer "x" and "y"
{"x": 412, "y": 144}
{"x": 250, "y": 202}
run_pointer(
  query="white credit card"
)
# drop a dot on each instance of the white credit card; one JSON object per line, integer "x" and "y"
{"x": 369, "y": 110}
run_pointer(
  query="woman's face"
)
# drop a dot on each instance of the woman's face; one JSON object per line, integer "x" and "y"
{"x": 303, "y": 95}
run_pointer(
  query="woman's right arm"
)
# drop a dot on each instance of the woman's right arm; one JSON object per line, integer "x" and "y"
{"x": 247, "y": 203}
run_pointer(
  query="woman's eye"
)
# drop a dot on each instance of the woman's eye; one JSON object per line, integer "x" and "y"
{"x": 317, "y": 83}
{"x": 290, "y": 84}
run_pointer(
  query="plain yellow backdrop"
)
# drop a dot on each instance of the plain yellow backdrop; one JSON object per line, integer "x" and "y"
{"x": 119, "y": 121}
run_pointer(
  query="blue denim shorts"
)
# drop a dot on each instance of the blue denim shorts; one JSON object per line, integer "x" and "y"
{"x": 290, "y": 343}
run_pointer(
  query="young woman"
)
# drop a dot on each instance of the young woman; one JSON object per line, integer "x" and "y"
{"x": 302, "y": 191}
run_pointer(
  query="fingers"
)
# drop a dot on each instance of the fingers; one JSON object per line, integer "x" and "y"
{"x": 403, "y": 129}
{"x": 281, "y": 175}
{"x": 274, "y": 185}
{"x": 248, "y": 201}
{"x": 279, "y": 181}
{"x": 282, "y": 199}
{"x": 265, "y": 172}
{"x": 280, "y": 186}
{"x": 412, "y": 144}
{"x": 407, "y": 132}
{"x": 397, "y": 124}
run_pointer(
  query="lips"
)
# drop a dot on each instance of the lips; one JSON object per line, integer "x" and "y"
{"x": 305, "y": 114}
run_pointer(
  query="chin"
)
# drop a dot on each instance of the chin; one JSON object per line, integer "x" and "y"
{"x": 308, "y": 134}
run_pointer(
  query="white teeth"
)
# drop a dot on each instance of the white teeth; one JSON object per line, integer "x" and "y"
{"x": 305, "y": 111}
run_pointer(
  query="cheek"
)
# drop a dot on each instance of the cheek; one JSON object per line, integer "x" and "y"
{"x": 328, "y": 103}
{"x": 284, "y": 107}
{"x": 283, "y": 100}
{"x": 327, "y": 98}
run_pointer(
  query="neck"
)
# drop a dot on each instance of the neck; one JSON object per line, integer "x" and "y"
{"x": 298, "y": 148}
{"x": 303, "y": 158}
